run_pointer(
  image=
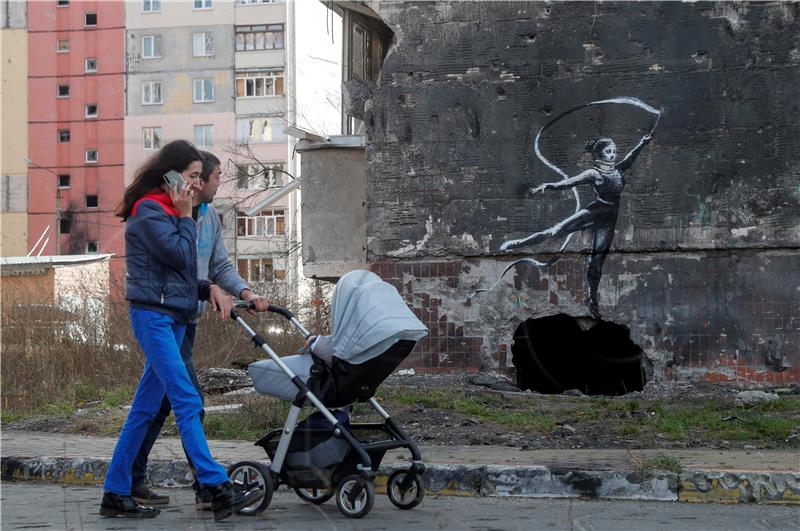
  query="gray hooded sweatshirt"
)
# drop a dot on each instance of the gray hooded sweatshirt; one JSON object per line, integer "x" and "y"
{"x": 212, "y": 256}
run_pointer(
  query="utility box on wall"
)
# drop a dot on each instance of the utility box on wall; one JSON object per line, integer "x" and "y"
{"x": 333, "y": 206}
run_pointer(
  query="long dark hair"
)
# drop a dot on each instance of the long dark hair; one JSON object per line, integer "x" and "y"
{"x": 177, "y": 155}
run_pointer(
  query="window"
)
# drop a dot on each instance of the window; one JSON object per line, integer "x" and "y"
{"x": 151, "y": 46}
{"x": 260, "y": 130}
{"x": 203, "y": 135}
{"x": 91, "y": 156}
{"x": 64, "y": 225}
{"x": 92, "y": 247}
{"x": 151, "y": 93}
{"x": 90, "y": 65}
{"x": 90, "y": 110}
{"x": 247, "y": 2}
{"x": 151, "y": 138}
{"x": 203, "y": 44}
{"x": 255, "y": 269}
{"x": 91, "y": 19}
{"x": 151, "y": 6}
{"x": 63, "y": 46}
{"x": 258, "y": 177}
{"x": 203, "y": 4}
{"x": 264, "y": 37}
{"x": 63, "y": 91}
{"x": 203, "y": 90}
{"x": 258, "y": 84}
{"x": 63, "y": 3}
{"x": 267, "y": 223}
{"x": 63, "y": 181}
{"x": 91, "y": 201}
{"x": 63, "y": 135}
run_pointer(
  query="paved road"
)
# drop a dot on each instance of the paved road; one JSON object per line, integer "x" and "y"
{"x": 49, "y": 506}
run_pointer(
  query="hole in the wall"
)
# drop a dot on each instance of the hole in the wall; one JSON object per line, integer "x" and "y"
{"x": 556, "y": 353}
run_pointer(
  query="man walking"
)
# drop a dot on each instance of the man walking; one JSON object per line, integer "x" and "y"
{"x": 214, "y": 264}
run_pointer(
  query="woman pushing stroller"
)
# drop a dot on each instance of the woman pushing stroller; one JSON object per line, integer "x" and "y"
{"x": 163, "y": 290}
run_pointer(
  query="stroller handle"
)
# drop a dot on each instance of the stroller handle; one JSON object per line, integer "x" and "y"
{"x": 271, "y": 308}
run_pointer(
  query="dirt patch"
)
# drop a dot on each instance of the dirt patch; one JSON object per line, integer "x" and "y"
{"x": 468, "y": 410}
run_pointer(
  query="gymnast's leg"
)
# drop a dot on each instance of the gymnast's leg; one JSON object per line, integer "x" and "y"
{"x": 603, "y": 236}
{"x": 582, "y": 219}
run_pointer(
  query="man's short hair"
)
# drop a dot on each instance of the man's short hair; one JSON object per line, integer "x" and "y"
{"x": 210, "y": 163}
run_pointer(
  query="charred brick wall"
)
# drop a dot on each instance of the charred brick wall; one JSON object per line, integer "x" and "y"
{"x": 704, "y": 265}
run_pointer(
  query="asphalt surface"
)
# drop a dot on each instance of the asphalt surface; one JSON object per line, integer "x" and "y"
{"x": 50, "y": 506}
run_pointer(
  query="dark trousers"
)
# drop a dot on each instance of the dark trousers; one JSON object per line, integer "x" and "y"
{"x": 139, "y": 471}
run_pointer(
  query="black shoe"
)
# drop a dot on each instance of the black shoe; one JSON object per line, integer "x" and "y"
{"x": 203, "y": 499}
{"x": 119, "y": 505}
{"x": 142, "y": 494}
{"x": 227, "y": 499}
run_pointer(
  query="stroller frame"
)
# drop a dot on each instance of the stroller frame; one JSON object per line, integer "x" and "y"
{"x": 367, "y": 455}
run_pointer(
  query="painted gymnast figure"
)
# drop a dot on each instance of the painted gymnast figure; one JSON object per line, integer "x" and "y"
{"x": 600, "y": 216}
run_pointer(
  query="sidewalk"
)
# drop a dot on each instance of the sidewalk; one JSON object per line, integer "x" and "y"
{"x": 708, "y": 475}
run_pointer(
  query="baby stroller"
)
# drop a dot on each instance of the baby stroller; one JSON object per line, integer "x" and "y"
{"x": 324, "y": 455}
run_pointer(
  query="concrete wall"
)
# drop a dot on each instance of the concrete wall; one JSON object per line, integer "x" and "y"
{"x": 704, "y": 264}
{"x": 333, "y": 226}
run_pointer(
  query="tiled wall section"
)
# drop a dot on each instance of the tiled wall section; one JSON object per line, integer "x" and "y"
{"x": 714, "y": 316}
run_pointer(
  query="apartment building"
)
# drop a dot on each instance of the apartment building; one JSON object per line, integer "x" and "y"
{"x": 211, "y": 71}
{"x": 14, "y": 143}
{"x": 75, "y": 87}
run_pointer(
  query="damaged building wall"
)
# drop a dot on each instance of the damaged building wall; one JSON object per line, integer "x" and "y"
{"x": 479, "y": 102}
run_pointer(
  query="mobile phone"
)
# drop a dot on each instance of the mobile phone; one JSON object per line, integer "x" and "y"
{"x": 173, "y": 178}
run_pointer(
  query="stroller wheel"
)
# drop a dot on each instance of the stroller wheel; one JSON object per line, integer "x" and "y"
{"x": 355, "y": 496}
{"x": 405, "y": 490}
{"x": 250, "y": 475}
{"x": 315, "y": 496}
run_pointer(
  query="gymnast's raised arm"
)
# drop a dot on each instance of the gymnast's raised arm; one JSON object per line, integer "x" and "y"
{"x": 585, "y": 177}
{"x": 630, "y": 158}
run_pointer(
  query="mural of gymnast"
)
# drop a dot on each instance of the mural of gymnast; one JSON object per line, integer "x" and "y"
{"x": 607, "y": 178}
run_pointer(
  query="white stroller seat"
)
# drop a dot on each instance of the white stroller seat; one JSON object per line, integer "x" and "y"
{"x": 369, "y": 318}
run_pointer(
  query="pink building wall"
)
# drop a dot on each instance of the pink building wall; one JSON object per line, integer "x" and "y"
{"x": 47, "y": 114}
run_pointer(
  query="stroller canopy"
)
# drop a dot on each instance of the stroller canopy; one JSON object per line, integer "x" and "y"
{"x": 369, "y": 316}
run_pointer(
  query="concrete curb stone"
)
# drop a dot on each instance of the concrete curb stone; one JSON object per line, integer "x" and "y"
{"x": 482, "y": 480}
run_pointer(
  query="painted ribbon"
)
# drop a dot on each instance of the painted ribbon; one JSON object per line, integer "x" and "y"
{"x": 622, "y": 100}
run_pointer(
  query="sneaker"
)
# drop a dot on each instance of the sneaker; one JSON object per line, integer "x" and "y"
{"x": 227, "y": 499}
{"x": 203, "y": 499}
{"x": 118, "y": 505}
{"x": 142, "y": 494}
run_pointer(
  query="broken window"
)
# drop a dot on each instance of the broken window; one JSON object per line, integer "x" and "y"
{"x": 367, "y": 41}
{"x": 262, "y": 37}
{"x": 266, "y": 223}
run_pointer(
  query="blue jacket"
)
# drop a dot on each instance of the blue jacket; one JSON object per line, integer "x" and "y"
{"x": 161, "y": 259}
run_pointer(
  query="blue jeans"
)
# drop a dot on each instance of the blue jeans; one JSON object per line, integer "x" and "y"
{"x": 140, "y": 463}
{"x": 164, "y": 375}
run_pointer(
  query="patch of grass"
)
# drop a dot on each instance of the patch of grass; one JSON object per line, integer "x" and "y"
{"x": 485, "y": 407}
{"x": 117, "y": 397}
{"x": 257, "y": 416}
{"x": 666, "y": 462}
{"x": 629, "y": 430}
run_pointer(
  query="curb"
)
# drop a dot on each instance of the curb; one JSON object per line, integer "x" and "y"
{"x": 693, "y": 486}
